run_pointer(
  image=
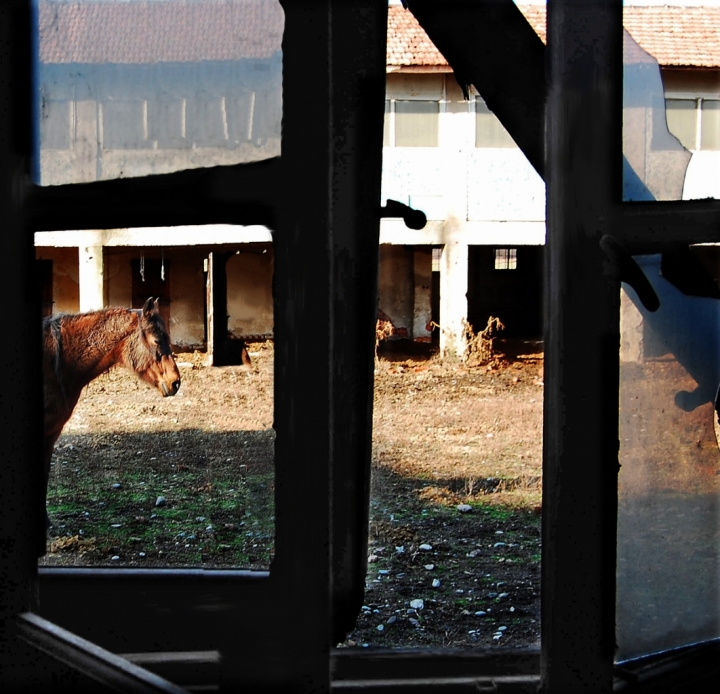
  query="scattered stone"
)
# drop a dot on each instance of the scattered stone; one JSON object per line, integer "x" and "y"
{"x": 464, "y": 508}
{"x": 115, "y": 557}
{"x": 502, "y": 596}
{"x": 400, "y": 549}
{"x": 383, "y": 572}
{"x": 372, "y": 558}
{"x": 417, "y": 604}
{"x": 429, "y": 567}
{"x": 141, "y": 554}
{"x": 160, "y": 501}
{"x": 502, "y": 629}
{"x": 116, "y": 525}
{"x": 392, "y": 620}
{"x": 492, "y": 596}
{"x": 414, "y": 622}
{"x": 425, "y": 547}
{"x": 497, "y": 637}
{"x": 499, "y": 544}
{"x": 117, "y": 485}
{"x": 480, "y": 613}
{"x": 200, "y": 519}
{"x": 436, "y": 583}
{"x": 473, "y": 553}
{"x": 380, "y": 627}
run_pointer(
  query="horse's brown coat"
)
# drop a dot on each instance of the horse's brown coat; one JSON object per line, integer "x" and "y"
{"x": 79, "y": 347}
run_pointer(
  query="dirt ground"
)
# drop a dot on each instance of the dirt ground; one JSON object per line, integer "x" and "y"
{"x": 138, "y": 480}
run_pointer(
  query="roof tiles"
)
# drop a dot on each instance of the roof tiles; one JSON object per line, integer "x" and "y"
{"x": 188, "y": 31}
{"x": 675, "y": 36}
{"x": 150, "y": 32}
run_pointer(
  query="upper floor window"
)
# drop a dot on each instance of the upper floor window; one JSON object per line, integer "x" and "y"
{"x": 411, "y": 123}
{"x": 695, "y": 122}
{"x": 489, "y": 131}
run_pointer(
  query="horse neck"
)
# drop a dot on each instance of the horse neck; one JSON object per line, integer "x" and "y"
{"x": 94, "y": 342}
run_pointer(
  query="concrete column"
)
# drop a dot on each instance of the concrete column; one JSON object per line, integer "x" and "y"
{"x": 453, "y": 298}
{"x": 91, "y": 277}
{"x": 422, "y": 305}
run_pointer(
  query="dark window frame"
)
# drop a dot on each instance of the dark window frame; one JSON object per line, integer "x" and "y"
{"x": 316, "y": 584}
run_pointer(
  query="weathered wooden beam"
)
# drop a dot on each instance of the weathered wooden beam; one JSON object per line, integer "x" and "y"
{"x": 582, "y": 341}
{"x": 654, "y": 227}
{"x": 98, "y": 669}
{"x": 241, "y": 194}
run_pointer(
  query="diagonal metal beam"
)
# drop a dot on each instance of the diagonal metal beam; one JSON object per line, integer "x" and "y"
{"x": 491, "y": 46}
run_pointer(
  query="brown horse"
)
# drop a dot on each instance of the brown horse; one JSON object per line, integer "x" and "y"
{"x": 79, "y": 347}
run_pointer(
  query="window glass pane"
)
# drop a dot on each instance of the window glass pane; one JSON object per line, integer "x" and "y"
{"x": 387, "y": 138}
{"x": 141, "y": 480}
{"x": 489, "y": 132}
{"x": 155, "y": 87}
{"x": 668, "y": 572}
{"x": 664, "y": 157}
{"x": 506, "y": 258}
{"x": 416, "y": 123}
{"x": 454, "y": 536}
{"x": 682, "y": 120}
{"x": 710, "y": 138}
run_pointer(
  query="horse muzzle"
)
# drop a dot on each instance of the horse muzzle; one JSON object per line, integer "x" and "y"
{"x": 167, "y": 391}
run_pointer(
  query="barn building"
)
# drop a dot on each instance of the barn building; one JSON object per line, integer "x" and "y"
{"x": 220, "y": 102}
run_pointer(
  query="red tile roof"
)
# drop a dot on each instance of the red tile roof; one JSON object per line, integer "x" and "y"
{"x": 149, "y": 32}
{"x": 675, "y": 36}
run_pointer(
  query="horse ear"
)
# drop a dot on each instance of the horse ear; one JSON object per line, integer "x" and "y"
{"x": 150, "y": 306}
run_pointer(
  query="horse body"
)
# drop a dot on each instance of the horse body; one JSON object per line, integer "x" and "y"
{"x": 78, "y": 348}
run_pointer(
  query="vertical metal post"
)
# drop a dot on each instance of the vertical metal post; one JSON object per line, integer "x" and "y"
{"x": 583, "y": 173}
{"x": 22, "y": 527}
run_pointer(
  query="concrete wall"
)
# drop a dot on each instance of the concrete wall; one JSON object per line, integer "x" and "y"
{"x": 405, "y": 288}
{"x": 250, "y": 301}
{"x": 396, "y": 286}
{"x": 104, "y": 121}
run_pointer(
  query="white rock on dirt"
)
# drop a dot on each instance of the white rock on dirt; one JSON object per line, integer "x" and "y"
{"x": 417, "y": 604}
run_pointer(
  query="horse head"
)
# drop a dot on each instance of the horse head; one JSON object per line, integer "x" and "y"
{"x": 157, "y": 365}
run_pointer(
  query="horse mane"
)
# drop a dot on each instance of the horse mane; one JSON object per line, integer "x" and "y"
{"x": 51, "y": 327}
{"x": 135, "y": 355}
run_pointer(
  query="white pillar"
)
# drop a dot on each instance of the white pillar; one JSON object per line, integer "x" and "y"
{"x": 453, "y": 298}
{"x": 91, "y": 277}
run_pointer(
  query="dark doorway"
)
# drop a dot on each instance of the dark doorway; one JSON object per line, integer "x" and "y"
{"x": 150, "y": 278}
{"x": 506, "y": 282}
